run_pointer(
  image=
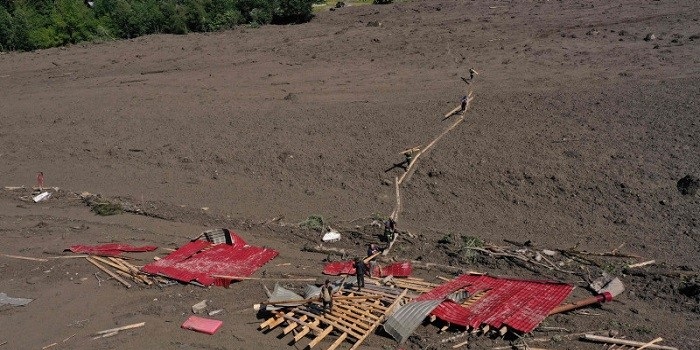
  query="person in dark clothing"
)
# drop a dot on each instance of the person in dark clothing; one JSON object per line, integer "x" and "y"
{"x": 389, "y": 230}
{"x": 360, "y": 271}
{"x": 327, "y": 296}
{"x": 372, "y": 249}
{"x": 464, "y": 104}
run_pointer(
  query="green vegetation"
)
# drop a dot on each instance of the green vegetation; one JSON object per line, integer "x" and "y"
{"x": 36, "y": 24}
{"x": 107, "y": 208}
{"x": 313, "y": 222}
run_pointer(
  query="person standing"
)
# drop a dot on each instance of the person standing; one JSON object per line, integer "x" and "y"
{"x": 327, "y": 296}
{"x": 389, "y": 230}
{"x": 464, "y": 104}
{"x": 360, "y": 272}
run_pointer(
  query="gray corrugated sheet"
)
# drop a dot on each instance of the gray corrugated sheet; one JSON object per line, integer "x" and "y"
{"x": 280, "y": 293}
{"x": 4, "y": 299}
{"x": 407, "y": 318}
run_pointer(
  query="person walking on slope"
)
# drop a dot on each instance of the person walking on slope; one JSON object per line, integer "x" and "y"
{"x": 327, "y": 296}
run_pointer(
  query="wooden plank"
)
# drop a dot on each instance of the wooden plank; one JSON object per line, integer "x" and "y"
{"x": 279, "y": 320}
{"x": 600, "y": 339}
{"x": 266, "y": 323}
{"x": 320, "y": 337}
{"x": 302, "y": 322}
{"x": 330, "y": 321}
{"x": 305, "y": 330}
{"x": 338, "y": 341}
{"x": 389, "y": 310}
{"x": 293, "y": 325}
{"x": 111, "y": 263}
{"x": 107, "y": 271}
{"x": 357, "y": 312}
{"x": 123, "y": 328}
{"x": 24, "y": 257}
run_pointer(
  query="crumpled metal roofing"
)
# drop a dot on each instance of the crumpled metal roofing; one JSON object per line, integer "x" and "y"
{"x": 197, "y": 261}
{"x": 399, "y": 269}
{"x": 111, "y": 249}
{"x": 518, "y": 304}
{"x": 404, "y": 321}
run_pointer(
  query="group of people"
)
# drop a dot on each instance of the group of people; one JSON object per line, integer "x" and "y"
{"x": 361, "y": 268}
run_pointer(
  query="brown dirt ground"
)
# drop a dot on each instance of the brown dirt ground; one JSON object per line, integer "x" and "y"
{"x": 578, "y": 133}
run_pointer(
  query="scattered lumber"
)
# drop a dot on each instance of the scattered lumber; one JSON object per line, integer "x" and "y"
{"x": 109, "y": 272}
{"x": 641, "y": 264}
{"x": 608, "y": 340}
{"x": 24, "y": 257}
{"x": 119, "y": 329}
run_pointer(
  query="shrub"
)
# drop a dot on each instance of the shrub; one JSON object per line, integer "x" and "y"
{"x": 6, "y": 30}
{"x": 314, "y": 222}
{"x": 107, "y": 208}
{"x": 293, "y": 11}
{"x": 382, "y": 2}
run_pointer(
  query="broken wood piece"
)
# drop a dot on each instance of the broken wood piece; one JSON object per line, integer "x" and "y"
{"x": 48, "y": 346}
{"x": 369, "y": 258}
{"x": 460, "y": 344}
{"x": 112, "y": 264}
{"x": 650, "y": 343}
{"x": 122, "y": 328}
{"x": 411, "y": 150}
{"x": 106, "y": 335}
{"x": 641, "y": 264}
{"x": 601, "y": 339}
{"x": 452, "y": 112}
{"x": 24, "y": 257}
{"x": 109, "y": 272}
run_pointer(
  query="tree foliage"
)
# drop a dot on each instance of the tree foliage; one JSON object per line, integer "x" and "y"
{"x": 36, "y": 24}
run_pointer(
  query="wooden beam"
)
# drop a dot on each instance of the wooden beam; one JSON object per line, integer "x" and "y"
{"x": 320, "y": 337}
{"x": 305, "y": 330}
{"x": 293, "y": 325}
{"x": 123, "y": 328}
{"x": 302, "y": 322}
{"x": 338, "y": 341}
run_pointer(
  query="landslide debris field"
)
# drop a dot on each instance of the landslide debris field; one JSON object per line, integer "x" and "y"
{"x": 585, "y": 117}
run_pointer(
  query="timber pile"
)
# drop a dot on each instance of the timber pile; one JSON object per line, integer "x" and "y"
{"x": 121, "y": 270}
{"x": 351, "y": 320}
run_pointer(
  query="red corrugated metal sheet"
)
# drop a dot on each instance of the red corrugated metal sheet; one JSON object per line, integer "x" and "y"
{"x": 399, "y": 269}
{"x": 521, "y": 305}
{"x": 445, "y": 289}
{"x": 112, "y": 249}
{"x": 199, "y": 260}
{"x": 336, "y": 268}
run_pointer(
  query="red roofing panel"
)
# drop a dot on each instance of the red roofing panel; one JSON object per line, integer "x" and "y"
{"x": 400, "y": 269}
{"x": 111, "y": 249}
{"x": 518, "y": 304}
{"x": 199, "y": 260}
{"x": 443, "y": 290}
{"x": 335, "y": 268}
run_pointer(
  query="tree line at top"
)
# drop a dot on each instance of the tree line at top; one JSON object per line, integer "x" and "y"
{"x": 37, "y": 24}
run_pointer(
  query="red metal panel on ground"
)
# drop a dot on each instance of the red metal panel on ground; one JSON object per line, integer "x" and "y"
{"x": 199, "y": 260}
{"x": 399, "y": 269}
{"x": 336, "y": 268}
{"x": 443, "y": 290}
{"x": 203, "y": 325}
{"x": 112, "y": 249}
{"x": 519, "y": 304}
